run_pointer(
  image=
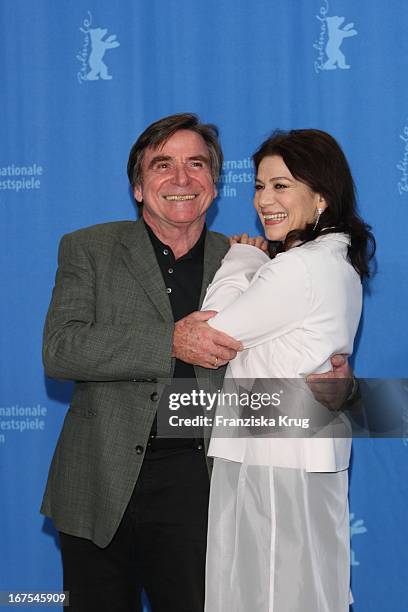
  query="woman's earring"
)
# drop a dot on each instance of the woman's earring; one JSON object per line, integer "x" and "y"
{"x": 319, "y": 212}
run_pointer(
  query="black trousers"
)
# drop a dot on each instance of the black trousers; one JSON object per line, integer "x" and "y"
{"x": 159, "y": 546}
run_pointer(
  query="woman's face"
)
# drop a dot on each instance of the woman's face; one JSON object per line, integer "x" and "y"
{"x": 282, "y": 202}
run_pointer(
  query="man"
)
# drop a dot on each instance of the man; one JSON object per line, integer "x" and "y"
{"x": 131, "y": 508}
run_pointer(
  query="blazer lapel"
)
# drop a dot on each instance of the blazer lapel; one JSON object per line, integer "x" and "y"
{"x": 214, "y": 251}
{"x": 141, "y": 261}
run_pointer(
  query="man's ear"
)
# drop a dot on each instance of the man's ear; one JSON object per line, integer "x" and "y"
{"x": 138, "y": 194}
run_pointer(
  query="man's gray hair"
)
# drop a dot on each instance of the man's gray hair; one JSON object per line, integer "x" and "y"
{"x": 159, "y": 132}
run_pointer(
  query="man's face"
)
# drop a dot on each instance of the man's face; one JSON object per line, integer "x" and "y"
{"x": 177, "y": 187}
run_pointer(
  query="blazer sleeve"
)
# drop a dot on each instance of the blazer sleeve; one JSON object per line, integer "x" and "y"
{"x": 234, "y": 276}
{"x": 275, "y": 302}
{"x": 77, "y": 347}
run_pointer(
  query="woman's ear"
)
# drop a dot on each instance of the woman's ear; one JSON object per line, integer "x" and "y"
{"x": 321, "y": 204}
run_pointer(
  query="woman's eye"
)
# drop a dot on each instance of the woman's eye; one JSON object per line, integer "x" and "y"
{"x": 280, "y": 186}
{"x": 258, "y": 187}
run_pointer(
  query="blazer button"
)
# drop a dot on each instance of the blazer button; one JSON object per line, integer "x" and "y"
{"x": 139, "y": 449}
{"x": 154, "y": 396}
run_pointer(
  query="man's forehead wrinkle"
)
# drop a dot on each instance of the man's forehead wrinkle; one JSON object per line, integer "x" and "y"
{"x": 199, "y": 156}
{"x": 163, "y": 157}
{"x": 161, "y": 145}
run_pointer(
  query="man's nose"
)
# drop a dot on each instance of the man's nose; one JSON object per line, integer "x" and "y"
{"x": 181, "y": 175}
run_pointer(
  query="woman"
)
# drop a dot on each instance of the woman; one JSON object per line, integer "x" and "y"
{"x": 278, "y": 536}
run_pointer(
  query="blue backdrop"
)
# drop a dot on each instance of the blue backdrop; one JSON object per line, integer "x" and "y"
{"x": 80, "y": 81}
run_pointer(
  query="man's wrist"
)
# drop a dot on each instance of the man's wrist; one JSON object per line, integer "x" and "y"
{"x": 354, "y": 394}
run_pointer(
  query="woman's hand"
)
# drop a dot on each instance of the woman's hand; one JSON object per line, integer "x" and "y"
{"x": 257, "y": 241}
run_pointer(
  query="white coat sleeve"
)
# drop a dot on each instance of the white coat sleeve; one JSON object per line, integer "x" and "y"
{"x": 234, "y": 276}
{"x": 275, "y": 302}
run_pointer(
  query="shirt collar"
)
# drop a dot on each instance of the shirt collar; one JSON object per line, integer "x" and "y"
{"x": 196, "y": 250}
{"x": 338, "y": 236}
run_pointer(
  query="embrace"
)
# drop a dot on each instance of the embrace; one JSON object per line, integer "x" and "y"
{"x": 164, "y": 297}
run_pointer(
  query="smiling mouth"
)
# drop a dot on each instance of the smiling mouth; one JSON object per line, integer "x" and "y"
{"x": 275, "y": 216}
{"x": 180, "y": 198}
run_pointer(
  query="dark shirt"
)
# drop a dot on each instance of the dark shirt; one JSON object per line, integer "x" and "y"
{"x": 183, "y": 278}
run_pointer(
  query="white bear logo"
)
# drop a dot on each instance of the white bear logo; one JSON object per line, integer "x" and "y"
{"x": 98, "y": 67}
{"x": 356, "y": 527}
{"x": 336, "y": 36}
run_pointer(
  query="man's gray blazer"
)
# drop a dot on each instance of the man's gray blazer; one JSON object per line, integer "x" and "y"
{"x": 109, "y": 327}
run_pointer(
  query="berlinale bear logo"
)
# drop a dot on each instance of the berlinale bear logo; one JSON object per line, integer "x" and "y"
{"x": 93, "y": 50}
{"x": 99, "y": 46}
{"x": 336, "y": 36}
{"x": 357, "y": 527}
{"x": 331, "y": 37}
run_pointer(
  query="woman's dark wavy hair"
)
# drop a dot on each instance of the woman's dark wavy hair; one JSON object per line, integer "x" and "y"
{"x": 315, "y": 158}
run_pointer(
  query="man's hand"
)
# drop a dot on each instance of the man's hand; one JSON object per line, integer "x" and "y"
{"x": 194, "y": 341}
{"x": 256, "y": 241}
{"x": 333, "y": 388}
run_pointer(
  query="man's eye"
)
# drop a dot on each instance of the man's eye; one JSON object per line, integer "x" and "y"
{"x": 162, "y": 166}
{"x": 197, "y": 164}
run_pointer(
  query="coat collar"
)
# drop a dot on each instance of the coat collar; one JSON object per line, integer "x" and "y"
{"x": 141, "y": 262}
{"x": 214, "y": 251}
{"x": 335, "y": 236}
